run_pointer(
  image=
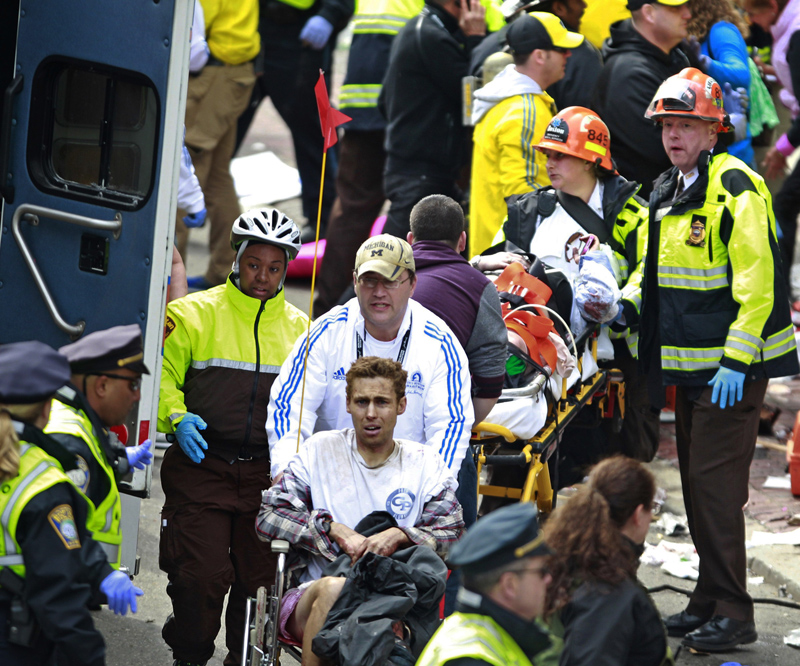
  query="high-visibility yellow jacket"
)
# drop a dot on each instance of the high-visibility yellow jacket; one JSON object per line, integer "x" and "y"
{"x": 223, "y": 350}
{"x": 474, "y": 636}
{"x": 104, "y": 519}
{"x": 714, "y": 292}
{"x": 375, "y": 24}
{"x": 504, "y": 160}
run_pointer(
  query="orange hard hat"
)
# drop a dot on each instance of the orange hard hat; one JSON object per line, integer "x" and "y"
{"x": 689, "y": 93}
{"x": 579, "y": 132}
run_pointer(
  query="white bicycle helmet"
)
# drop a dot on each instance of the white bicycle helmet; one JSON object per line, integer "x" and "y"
{"x": 264, "y": 225}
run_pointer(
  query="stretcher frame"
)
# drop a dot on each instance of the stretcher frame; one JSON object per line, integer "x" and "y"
{"x": 605, "y": 388}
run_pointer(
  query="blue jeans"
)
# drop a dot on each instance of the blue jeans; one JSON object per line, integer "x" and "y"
{"x": 467, "y": 495}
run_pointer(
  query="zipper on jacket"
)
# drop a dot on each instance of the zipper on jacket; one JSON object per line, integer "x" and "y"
{"x": 249, "y": 426}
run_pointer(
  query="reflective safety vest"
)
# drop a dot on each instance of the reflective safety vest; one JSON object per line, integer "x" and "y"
{"x": 104, "y": 519}
{"x": 465, "y": 635}
{"x": 374, "y": 17}
{"x": 713, "y": 283}
{"x": 37, "y": 473}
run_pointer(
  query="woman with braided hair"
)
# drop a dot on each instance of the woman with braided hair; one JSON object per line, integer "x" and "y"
{"x": 595, "y": 599}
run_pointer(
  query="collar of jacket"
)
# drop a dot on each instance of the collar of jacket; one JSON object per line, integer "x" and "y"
{"x": 32, "y": 435}
{"x": 430, "y": 253}
{"x": 359, "y": 317}
{"x": 250, "y": 306}
{"x": 695, "y": 195}
{"x": 616, "y": 192}
{"x": 449, "y": 21}
{"x": 528, "y": 635}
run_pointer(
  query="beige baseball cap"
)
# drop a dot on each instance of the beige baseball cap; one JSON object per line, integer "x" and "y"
{"x": 384, "y": 254}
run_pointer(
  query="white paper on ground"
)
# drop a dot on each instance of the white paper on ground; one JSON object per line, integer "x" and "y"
{"x": 677, "y": 559}
{"x": 781, "y": 482}
{"x": 262, "y": 178}
{"x": 793, "y": 638}
{"x": 771, "y": 538}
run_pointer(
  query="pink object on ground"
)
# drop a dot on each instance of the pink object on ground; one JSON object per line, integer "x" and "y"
{"x": 288, "y": 604}
{"x": 303, "y": 264}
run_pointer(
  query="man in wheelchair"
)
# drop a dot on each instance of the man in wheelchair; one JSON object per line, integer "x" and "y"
{"x": 340, "y": 477}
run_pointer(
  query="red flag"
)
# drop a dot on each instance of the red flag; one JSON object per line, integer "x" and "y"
{"x": 329, "y": 118}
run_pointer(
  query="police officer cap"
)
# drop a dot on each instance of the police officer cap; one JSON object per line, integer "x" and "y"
{"x": 504, "y": 536}
{"x": 30, "y": 372}
{"x": 107, "y": 351}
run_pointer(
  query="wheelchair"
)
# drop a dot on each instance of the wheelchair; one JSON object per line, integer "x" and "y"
{"x": 262, "y": 643}
{"x": 496, "y": 447}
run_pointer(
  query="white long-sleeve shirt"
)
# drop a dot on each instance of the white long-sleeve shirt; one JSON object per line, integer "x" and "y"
{"x": 439, "y": 411}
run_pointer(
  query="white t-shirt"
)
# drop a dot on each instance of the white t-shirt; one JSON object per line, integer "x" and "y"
{"x": 340, "y": 481}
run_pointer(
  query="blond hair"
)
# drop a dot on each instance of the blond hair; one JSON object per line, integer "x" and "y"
{"x": 9, "y": 441}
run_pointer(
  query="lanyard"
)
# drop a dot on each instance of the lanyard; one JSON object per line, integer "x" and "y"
{"x": 403, "y": 345}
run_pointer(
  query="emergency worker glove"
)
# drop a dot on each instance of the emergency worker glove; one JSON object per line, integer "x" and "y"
{"x": 316, "y": 32}
{"x": 189, "y": 437}
{"x": 697, "y": 50}
{"x": 139, "y": 456}
{"x": 195, "y": 220}
{"x": 120, "y": 592}
{"x": 728, "y": 385}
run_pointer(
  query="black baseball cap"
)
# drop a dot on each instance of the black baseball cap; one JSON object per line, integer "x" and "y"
{"x": 540, "y": 30}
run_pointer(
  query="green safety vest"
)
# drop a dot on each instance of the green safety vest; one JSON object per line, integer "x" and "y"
{"x": 37, "y": 473}
{"x": 104, "y": 519}
{"x": 464, "y": 635}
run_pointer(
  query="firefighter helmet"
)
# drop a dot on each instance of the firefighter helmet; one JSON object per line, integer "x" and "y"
{"x": 689, "y": 93}
{"x": 579, "y": 132}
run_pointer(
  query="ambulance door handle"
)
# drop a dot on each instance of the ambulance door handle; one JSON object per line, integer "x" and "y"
{"x": 14, "y": 88}
{"x": 31, "y": 215}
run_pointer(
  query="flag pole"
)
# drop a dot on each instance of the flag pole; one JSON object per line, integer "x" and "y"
{"x": 329, "y": 119}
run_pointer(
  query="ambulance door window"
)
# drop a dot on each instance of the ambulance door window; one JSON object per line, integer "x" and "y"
{"x": 93, "y": 134}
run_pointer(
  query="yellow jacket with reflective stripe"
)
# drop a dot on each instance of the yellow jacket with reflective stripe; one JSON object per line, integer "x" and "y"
{"x": 104, "y": 520}
{"x": 714, "y": 292}
{"x": 37, "y": 472}
{"x": 505, "y": 162}
{"x": 223, "y": 350}
{"x": 232, "y": 29}
{"x": 475, "y": 636}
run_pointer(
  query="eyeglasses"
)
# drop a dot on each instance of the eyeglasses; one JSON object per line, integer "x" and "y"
{"x": 560, "y": 49}
{"x": 135, "y": 383}
{"x": 540, "y": 571}
{"x": 371, "y": 283}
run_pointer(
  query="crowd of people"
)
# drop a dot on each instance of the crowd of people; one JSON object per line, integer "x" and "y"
{"x": 615, "y": 160}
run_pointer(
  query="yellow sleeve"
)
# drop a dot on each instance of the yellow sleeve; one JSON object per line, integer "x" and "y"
{"x": 177, "y": 358}
{"x": 522, "y": 167}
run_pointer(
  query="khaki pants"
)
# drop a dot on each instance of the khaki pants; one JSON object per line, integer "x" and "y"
{"x": 215, "y": 100}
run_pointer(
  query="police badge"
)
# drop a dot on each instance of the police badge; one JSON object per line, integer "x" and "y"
{"x": 697, "y": 236}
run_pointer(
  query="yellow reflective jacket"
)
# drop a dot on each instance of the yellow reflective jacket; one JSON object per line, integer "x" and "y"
{"x": 37, "y": 472}
{"x": 713, "y": 287}
{"x": 223, "y": 349}
{"x": 504, "y": 160}
{"x": 106, "y": 512}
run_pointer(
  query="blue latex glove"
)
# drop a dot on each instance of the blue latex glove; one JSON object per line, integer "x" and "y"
{"x": 139, "y": 456}
{"x": 728, "y": 385}
{"x": 189, "y": 437}
{"x": 195, "y": 220}
{"x": 316, "y": 32}
{"x": 120, "y": 592}
{"x": 735, "y": 100}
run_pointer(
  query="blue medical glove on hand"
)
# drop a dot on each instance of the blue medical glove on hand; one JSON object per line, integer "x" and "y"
{"x": 195, "y": 220}
{"x": 189, "y": 437}
{"x": 697, "y": 49}
{"x": 139, "y": 456}
{"x": 120, "y": 592}
{"x": 728, "y": 385}
{"x": 316, "y": 32}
